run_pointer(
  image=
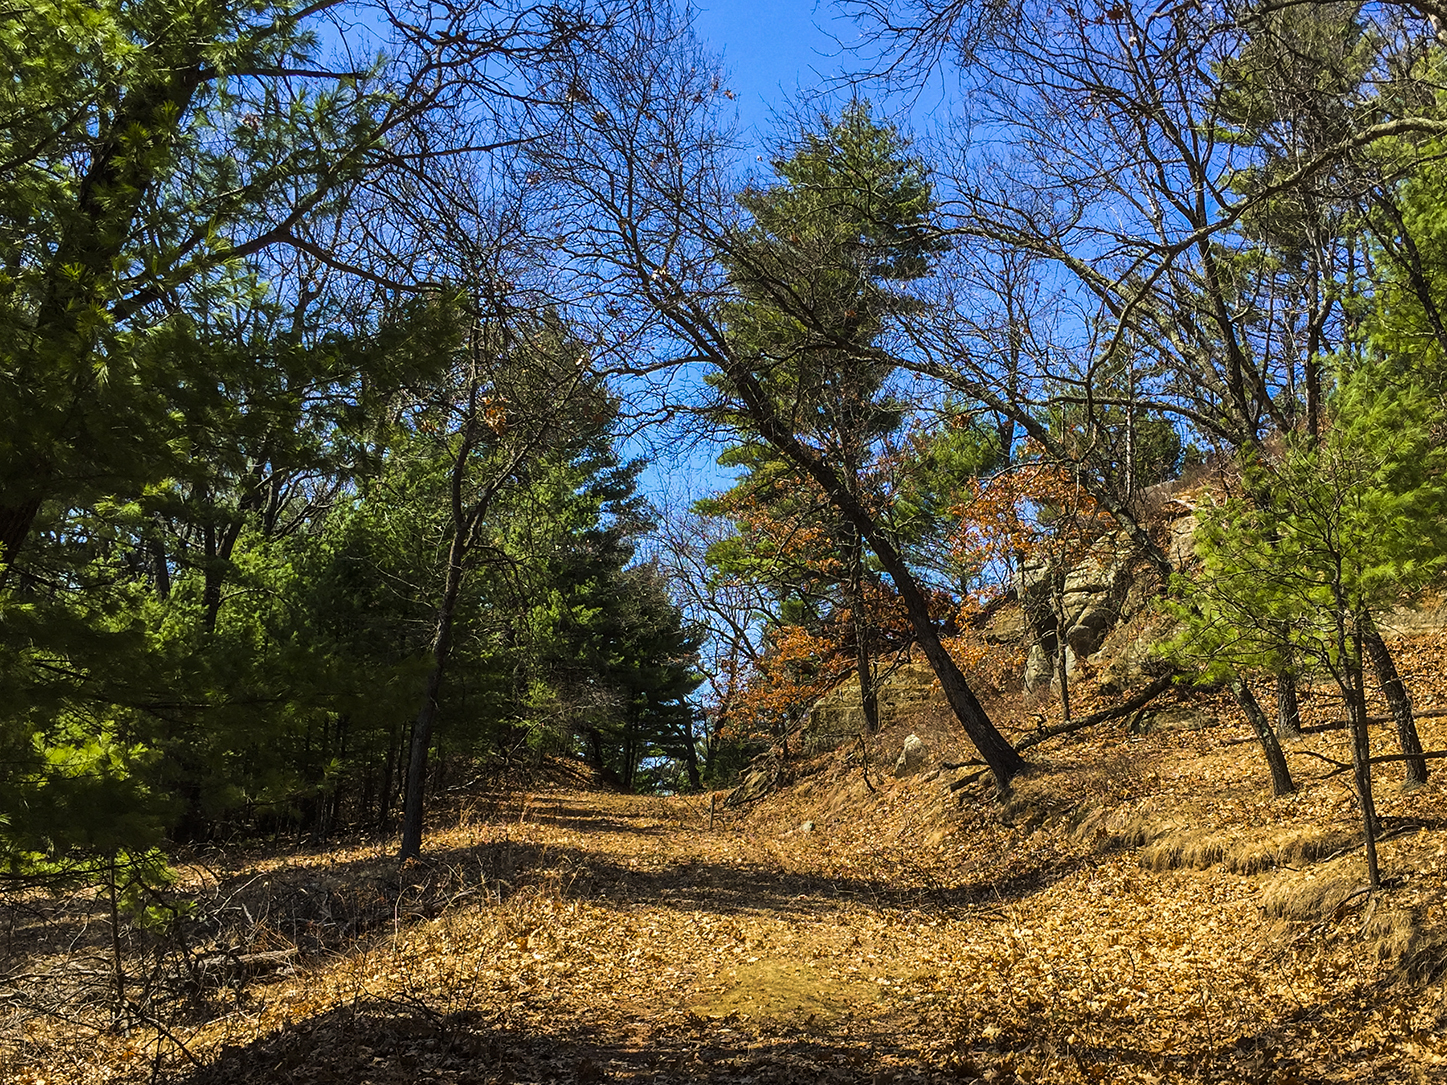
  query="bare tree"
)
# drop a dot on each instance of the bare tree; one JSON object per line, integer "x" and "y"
{"x": 635, "y": 161}
{"x": 515, "y": 388}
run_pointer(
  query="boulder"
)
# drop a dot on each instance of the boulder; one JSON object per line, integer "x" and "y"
{"x": 911, "y": 758}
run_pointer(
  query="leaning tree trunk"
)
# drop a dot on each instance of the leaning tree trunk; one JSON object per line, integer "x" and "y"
{"x": 1397, "y": 699}
{"x": 422, "y": 725}
{"x": 1004, "y": 762}
{"x": 1281, "y": 782}
{"x": 998, "y": 754}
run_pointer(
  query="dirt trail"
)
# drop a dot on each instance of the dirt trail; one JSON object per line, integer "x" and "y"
{"x": 838, "y": 935}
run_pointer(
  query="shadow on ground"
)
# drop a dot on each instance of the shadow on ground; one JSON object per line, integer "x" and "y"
{"x": 385, "y": 1043}
{"x": 391, "y": 1043}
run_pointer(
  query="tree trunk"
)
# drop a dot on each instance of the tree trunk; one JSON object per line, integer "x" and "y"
{"x": 120, "y": 1015}
{"x": 1288, "y": 708}
{"x": 160, "y": 570}
{"x": 426, "y": 719}
{"x": 15, "y": 524}
{"x": 998, "y": 754}
{"x": 389, "y": 773}
{"x": 863, "y": 661}
{"x": 1281, "y": 782}
{"x": 1312, "y": 372}
{"x": 1062, "y": 644}
{"x": 1362, "y": 755}
{"x": 690, "y": 765}
{"x": 219, "y": 549}
{"x": 1397, "y": 699}
{"x": 630, "y": 750}
{"x": 412, "y": 811}
{"x": 1353, "y": 686}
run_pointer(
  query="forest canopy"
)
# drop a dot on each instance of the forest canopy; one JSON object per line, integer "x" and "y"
{"x": 335, "y": 340}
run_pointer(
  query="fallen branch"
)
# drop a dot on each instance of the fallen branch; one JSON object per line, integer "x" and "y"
{"x": 249, "y": 964}
{"x": 1340, "y": 765}
{"x": 960, "y": 764}
{"x": 1333, "y": 725}
{"x": 1346, "y": 766}
{"x": 1140, "y": 700}
{"x": 966, "y": 781}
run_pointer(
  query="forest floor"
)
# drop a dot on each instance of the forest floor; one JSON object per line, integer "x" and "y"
{"x": 1140, "y": 910}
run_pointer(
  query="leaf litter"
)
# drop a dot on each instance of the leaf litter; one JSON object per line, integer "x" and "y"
{"x": 1141, "y": 910}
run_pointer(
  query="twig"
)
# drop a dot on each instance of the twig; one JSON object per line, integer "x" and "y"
{"x": 164, "y": 1031}
{"x": 1341, "y": 766}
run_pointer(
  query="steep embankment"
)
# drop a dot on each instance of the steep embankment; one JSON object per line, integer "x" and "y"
{"x": 1141, "y": 910}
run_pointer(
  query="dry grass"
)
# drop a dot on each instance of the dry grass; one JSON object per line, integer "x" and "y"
{"x": 1189, "y": 849}
{"x": 1167, "y": 845}
{"x": 913, "y": 934}
{"x": 1288, "y": 847}
{"x": 1314, "y": 894}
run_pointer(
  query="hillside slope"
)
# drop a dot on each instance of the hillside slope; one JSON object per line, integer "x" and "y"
{"x": 1141, "y": 910}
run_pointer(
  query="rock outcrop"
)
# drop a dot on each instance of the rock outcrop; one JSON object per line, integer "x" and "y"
{"x": 1091, "y": 598}
{"x": 838, "y": 716}
{"x": 1111, "y": 623}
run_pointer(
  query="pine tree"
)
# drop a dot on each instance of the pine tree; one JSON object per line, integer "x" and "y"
{"x": 1358, "y": 519}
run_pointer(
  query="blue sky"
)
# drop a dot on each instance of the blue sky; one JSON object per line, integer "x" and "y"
{"x": 774, "y": 54}
{"x": 771, "y": 51}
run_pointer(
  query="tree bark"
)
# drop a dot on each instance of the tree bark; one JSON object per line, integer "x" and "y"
{"x": 1353, "y": 686}
{"x": 160, "y": 570}
{"x": 422, "y": 726}
{"x": 389, "y": 773}
{"x": 15, "y": 523}
{"x": 1281, "y": 782}
{"x": 1362, "y": 754}
{"x": 1397, "y": 700}
{"x": 690, "y": 762}
{"x": 1288, "y": 708}
{"x": 425, "y": 721}
{"x": 863, "y": 660}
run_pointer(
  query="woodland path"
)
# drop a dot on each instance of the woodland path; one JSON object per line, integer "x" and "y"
{"x": 618, "y": 938}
